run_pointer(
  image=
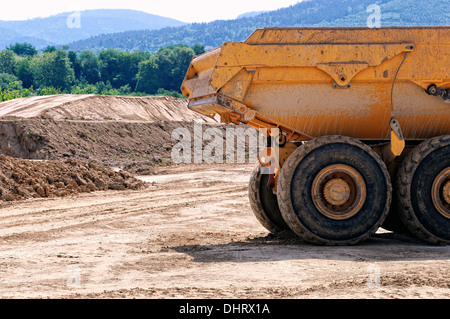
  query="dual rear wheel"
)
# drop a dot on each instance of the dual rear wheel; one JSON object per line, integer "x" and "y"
{"x": 335, "y": 190}
{"x": 264, "y": 202}
{"x": 423, "y": 191}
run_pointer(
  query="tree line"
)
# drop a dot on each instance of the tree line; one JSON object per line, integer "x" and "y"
{"x": 25, "y": 72}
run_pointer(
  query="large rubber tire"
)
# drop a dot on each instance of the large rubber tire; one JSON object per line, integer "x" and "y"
{"x": 414, "y": 187}
{"x": 264, "y": 202}
{"x": 295, "y": 191}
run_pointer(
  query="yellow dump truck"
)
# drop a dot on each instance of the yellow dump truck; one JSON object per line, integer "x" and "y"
{"x": 360, "y": 118}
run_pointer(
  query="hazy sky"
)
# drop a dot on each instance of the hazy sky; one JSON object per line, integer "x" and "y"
{"x": 184, "y": 10}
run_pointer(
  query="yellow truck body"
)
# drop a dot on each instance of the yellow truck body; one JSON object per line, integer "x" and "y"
{"x": 364, "y": 116}
{"x": 311, "y": 82}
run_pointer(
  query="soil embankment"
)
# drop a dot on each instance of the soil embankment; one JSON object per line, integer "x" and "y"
{"x": 79, "y": 140}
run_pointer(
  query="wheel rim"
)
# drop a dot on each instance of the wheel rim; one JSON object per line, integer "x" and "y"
{"x": 339, "y": 192}
{"x": 441, "y": 193}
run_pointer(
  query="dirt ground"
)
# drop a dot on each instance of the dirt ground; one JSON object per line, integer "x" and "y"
{"x": 191, "y": 234}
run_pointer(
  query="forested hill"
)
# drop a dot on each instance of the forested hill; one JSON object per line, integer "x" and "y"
{"x": 306, "y": 13}
{"x": 73, "y": 26}
{"x": 8, "y": 36}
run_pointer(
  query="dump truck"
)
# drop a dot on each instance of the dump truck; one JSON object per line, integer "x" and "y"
{"x": 357, "y": 121}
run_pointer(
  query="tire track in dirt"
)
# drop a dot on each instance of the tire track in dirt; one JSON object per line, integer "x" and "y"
{"x": 39, "y": 239}
{"x": 112, "y": 206}
{"x": 192, "y": 234}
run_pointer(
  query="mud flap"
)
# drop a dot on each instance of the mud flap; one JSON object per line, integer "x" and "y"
{"x": 397, "y": 140}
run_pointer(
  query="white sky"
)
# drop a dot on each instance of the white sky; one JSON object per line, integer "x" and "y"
{"x": 184, "y": 10}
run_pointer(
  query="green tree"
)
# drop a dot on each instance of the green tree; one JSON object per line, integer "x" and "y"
{"x": 53, "y": 69}
{"x": 183, "y": 57}
{"x": 50, "y": 49}
{"x": 84, "y": 88}
{"x": 166, "y": 69}
{"x": 23, "y": 49}
{"x": 125, "y": 90}
{"x": 165, "y": 60}
{"x": 90, "y": 67}
{"x": 198, "y": 49}
{"x": 7, "y": 61}
{"x": 173, "y": 63}
{"x": 128, "y": 68}
{"x": 162, "y": 92}
{"x": 120, "y": 68}
{"x": 75, "y": 63}
{"x": 109, "y": 65}
{"x": 6, "y": 79}
{"x": 24, "y": 72}
{"x": 14, "y": 91}
{"x": 148, "y": 78}
{"x": 106, "y": 89}
{"x": 48, "y": 90}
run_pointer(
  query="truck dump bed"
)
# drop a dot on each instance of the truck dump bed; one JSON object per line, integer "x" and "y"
{"x": 311, "y": 82}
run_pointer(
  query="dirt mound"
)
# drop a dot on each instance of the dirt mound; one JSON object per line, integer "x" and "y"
{"x": 132, "y": 133}
{"x": 134, "y": 146}
{"x": 100, "y": 108}
{"x": 23, "y": 179}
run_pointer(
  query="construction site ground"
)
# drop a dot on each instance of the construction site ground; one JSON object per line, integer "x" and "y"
{"x": 174, "y": 231}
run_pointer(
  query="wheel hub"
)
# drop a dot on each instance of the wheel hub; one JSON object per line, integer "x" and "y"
{"x": 339, "y": 192}
{"x": 441, "y": 193}
{"x": 446, "y": 192}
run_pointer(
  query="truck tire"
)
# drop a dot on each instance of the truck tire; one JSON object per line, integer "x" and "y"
{"x": 423, "y": 189}
{"x": 334, "y": 190}
{"x": 264, "y": 202}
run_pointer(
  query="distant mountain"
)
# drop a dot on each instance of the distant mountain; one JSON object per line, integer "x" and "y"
{"x": 73, "y": 26}
{"x": 250, "y": 14}
{"x": 8, "y": 37}
{"x": 309, "y": 13}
